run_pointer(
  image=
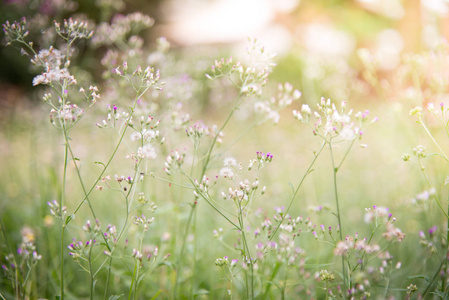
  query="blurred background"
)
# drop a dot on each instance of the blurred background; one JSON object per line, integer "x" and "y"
{"x": 315, "y": 35}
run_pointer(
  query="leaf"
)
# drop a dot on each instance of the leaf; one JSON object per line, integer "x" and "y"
{"x": 115, "y": 297}
{"x": 201, "y": 292}
{"x": 442, "y": 295}
{"x": 155, "y": 295}
{"x": 446, "y": 181}
{"x": 165, "y": 263}
{"x": 100, "y": 163}
{"x": 69, "y": 218}
{"x": 427, "y": 279}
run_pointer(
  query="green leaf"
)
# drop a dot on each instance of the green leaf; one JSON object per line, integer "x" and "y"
{"x": 201, "y": 292}
{"x": 115, "y": 297}
{"x": 442, "y": 295}
{"x": 100, "y": 163}
{"x": 69, "y": 218}
{"x": 427, "y": 279}
{"x": 165, "y": 263}
{"x": 155, "y": 295}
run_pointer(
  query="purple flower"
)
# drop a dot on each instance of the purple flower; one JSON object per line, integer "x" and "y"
{"x": 432, "y": 230}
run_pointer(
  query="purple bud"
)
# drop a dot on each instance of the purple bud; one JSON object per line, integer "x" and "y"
{"x": 432, "y": 230}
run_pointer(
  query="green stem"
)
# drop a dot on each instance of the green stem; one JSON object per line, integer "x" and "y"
{"x": 443, "y": 284}
{"x": 273, "y": 275}
{"x": 122, "y": 136}
{"x": 335, "y": 170}
{"x": 247, "y": 251}
{"x": 107, "y": 278}
{"x": 61, "y": 203}
{"x": 91, "y": 273}
{"x": 132, "y": 281}
{"x": 192, "y": 209}
{"x": 308, "y": 171}
{"x": 186, "y": 232}
{"x": 433, "y": 139}
{"x": 434, "y": 277}
{"x": 436, "y": 197}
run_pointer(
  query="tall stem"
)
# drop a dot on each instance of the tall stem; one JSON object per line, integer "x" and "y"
{"x": 309, "y": 169}
{"x": 61, "y": 204}
{"x": 203, "y": 172}
{"x": 433, "y": 139}
{"x": 335, "y": 171}
{"x": 246, "y": 251}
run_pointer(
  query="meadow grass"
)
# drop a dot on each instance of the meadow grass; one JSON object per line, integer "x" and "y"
{"x": 172, "y": 182}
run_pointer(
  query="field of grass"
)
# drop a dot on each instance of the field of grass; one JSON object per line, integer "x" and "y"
{"x": 298, "y": 176}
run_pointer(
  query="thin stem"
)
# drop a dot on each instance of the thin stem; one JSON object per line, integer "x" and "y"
{"x": 107, "y": 278}
{"x": 122, "y": 136}
{"x": 246, "y": 250}
{"x": 91, "y": 274}
{"x": 436, "y": 197}
{"x": 61, "y": 203}
{"x": 132, "y": 281}
{"x": 346, "y": 154}
{"x": 186, "y": 232}
{"x": 192, "y": 209}
{"x": 206, "y": 164}
{"x": 433, "y": 278}
{"x": 432, "y": 138}
{"x": 308, "y": 171}
{"x": 335, "y": 170}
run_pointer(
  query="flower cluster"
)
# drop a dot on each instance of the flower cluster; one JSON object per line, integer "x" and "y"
{"x": 95, "y": 230}
{"x": 80, "y": 249}
{"x": 377, "y": 214}
{"x": 120, "y": 28}
{"x": 174, "y": 160}
{"x": 353, "y": 243}
{"x": 331, "y": 122}
{"x": 421, "y": 200}
{"x": 261, "y": 160}
{"x": 270, "y": 108}
{"x": 143, "y": 221}
{"x": 74, "y": 29}
{"x": 56, "y": 210}
{"x": 111, "y": 234}
{"x": 15, "y": 31}
{"x": 197, "y": 130}
{"x": 230, "y": 168}
{"x": 243, "y": 192}
{"x": 250, "y": 79}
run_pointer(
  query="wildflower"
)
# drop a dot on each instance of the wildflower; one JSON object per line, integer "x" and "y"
{"x": 419, "y": 151}
{"x": 393, "y": 232}
{"x": 147, "y": 151}
{"x": 227, "y": 172}
{"x": 325, "y": 275}
{"x": 230, "y": 162}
